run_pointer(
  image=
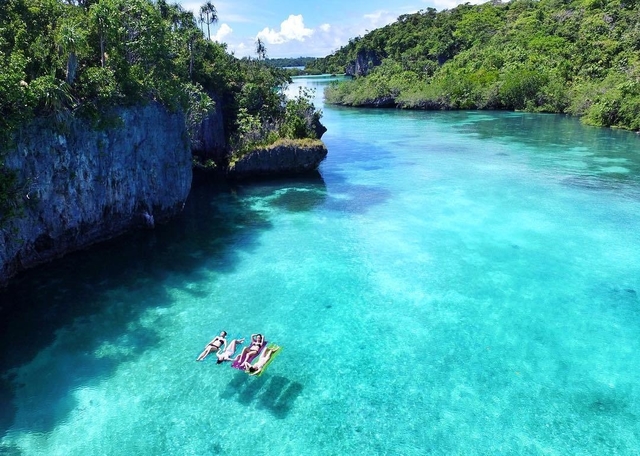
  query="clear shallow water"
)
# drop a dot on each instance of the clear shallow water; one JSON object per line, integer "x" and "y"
{"x": 450, "y": 283}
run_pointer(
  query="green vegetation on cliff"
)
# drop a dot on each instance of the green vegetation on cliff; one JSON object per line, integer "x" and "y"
{"x": 580, "y": 57}
{"x": 82, "y": 57}
{"x": 289, "y": 61}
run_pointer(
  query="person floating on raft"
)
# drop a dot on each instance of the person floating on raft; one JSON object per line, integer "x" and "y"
{"x": 263, "y": 360}
{"x": 249, "y": 353}
{"x": 229, "y": 353}
{"x": 258, "y": 351}
{"x": 215, "y": 345}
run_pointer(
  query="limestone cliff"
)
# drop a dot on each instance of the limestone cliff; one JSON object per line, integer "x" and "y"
{"x": 284, "y": 157}
{"x": 84, "y": 185}
{"x": 364, "y": 62}
{"x": 208, "y": 137}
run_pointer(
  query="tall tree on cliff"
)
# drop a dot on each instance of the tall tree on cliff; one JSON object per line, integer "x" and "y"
{"x": 209, "y": 16}
{"x": 261, "y": 49}
{"x": 101, "y": 17}
{"x": 71, "y": 38}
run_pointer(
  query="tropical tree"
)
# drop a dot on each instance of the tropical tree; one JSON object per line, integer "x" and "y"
{"x": 71, "y": 38}
{"x": 261, "y": 49}
{"x": 102, "y": 17}
{"x": 209, "y": 16}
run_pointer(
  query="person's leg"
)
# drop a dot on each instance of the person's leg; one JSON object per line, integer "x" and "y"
{"x": 204, "y": 353}
{"x": 263, "y": 358}
{"x": 249, "y": 354}
{"x": 266, "y": 355}
{"x": 241, "y": 356}
{"x": 271, "y": 351}
{"x": 231, "y": 348}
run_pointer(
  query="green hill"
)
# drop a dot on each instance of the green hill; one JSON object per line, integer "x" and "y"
{"x": 78, "y": 58}
{"x": 62, "y": 60}
{"x": 284, "y": 62}
{"x": 579, "y": 57}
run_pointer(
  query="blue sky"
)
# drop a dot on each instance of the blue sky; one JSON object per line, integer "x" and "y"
{"x": 291, "y": 28}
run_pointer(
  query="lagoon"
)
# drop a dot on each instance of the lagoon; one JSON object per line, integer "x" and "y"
{"x": 448, "y": 283}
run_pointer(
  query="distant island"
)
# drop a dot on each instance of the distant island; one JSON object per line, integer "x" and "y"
{"x": 579, "y": 57}
{"x": 289, "y": 62}
{"x": 299, "y": 66}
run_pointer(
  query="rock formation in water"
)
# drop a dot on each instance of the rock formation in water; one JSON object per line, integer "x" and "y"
{"x": 84, "y": 185}
{"x": 283, "y": 158}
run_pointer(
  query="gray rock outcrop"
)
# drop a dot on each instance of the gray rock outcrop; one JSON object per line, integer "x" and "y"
{"x": 365, "y": 61}
{"x": 83, "y": 186}
{"x": 283, "y": 158}
{"x": 208, "y": 138}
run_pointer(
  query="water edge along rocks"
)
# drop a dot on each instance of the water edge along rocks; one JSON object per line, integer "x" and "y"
{"x": 84, "y": 185}
{"x": 285, "y": 157}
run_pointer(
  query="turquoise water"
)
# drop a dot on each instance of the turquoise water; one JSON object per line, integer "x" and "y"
{"x": 449, "y": 283}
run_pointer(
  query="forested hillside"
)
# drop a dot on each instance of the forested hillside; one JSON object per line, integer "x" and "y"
{"x": 289, "y": 61}
{"x": 80, "y": 58}
{"x": 580, "y": 57}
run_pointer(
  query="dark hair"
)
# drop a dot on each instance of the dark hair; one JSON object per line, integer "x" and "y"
{"x": 223, "y": 332}
{"x": 253, "y": 369}
{"x": 219, "y": 361}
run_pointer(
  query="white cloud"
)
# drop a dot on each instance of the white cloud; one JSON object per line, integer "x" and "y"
{"x": 223, "y": 31}
{"x": 291, "y": 29}
{"x": 380, "y": 19}
{"x": 374, "y": 16}
{"x": 293, "y": 38}
{"x": 227, "y": 11}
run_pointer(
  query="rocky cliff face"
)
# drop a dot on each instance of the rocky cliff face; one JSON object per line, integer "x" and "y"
{"x": 209, "y": 140}
{"x": 282, "y": 158}
{"x": 365, "y": 61}
{"x": 85, "y": 186}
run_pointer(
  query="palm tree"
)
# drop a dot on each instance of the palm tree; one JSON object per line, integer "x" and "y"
{"x": 208, "y": 15}
{"x": 70, "y": 40}
{"x": 261, "y": 50}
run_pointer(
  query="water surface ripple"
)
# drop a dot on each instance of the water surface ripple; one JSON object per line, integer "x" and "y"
{"x": 448, "y": 283}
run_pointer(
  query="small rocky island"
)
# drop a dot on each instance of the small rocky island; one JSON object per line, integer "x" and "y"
{"x": 284, "y": 157}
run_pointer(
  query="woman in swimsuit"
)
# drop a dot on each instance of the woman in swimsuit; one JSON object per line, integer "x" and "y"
{"x": 216, "y": 344}
{"x": 265, "y": 356}
{"x": 257, "y": 341}
{"x": 229, "y": 352}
